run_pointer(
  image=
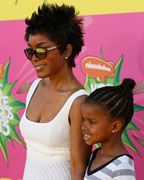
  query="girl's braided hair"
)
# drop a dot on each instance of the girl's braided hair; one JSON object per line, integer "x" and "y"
{"x": 118, "y": 100}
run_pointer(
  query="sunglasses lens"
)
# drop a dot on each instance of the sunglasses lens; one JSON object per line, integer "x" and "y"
{"x": 28, "y": 53}
{"x": 41, "y": 53}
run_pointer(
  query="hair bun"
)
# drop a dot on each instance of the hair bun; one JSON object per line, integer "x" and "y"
{"x": 129, "y": 83}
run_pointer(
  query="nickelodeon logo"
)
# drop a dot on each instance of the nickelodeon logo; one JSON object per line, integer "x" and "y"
{"x": 1, "y": 71}
{"x": 98, "y": 68}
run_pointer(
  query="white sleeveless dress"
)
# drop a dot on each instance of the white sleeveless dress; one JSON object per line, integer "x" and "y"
{"x": 48, "y": 144}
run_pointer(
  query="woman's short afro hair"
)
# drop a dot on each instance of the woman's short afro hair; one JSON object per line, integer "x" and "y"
{"x": 60, "y": 24}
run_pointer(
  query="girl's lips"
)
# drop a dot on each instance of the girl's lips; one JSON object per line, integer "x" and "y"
{"x": 38, "y": 68}
{"x": 87, "y": 137}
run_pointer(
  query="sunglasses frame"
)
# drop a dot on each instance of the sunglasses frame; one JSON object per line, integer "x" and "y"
{"x": 36, "y": 53}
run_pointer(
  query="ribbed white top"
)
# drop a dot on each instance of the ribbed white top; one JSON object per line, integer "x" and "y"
{"x": 47, "y": 142}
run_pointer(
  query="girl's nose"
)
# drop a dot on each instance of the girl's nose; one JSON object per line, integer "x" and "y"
{"x": 84, "y": 126}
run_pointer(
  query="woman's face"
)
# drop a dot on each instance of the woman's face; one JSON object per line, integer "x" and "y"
{"x": 97, "y": 127}
{"x": 52, "y": 63}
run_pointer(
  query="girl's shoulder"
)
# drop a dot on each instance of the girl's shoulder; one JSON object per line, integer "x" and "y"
{"x": 121, "y": 165}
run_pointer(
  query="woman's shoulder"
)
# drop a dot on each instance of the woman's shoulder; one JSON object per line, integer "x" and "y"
{"x": 79, "y": 97}
{"x": 34, "y": 83}
{"x": 80, "y": 93}
{"x": 33, "y": 87}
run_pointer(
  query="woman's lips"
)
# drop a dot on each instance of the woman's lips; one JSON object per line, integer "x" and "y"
{"x": 38, "y": 68}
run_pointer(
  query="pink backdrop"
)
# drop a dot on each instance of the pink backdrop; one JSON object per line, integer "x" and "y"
{"x": 117, "y": 34}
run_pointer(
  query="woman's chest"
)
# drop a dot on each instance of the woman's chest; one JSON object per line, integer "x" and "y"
{"x": 43, "y": 107}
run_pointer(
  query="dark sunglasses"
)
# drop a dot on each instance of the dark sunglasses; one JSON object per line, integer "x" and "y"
{"x": 40, "y": 52}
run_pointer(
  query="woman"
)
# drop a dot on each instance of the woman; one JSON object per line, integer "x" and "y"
{"x": 51, "y": 124}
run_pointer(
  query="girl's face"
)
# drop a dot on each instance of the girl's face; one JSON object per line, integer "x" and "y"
{"x": 96, "y": 127}
{"x": 52, "y": 63}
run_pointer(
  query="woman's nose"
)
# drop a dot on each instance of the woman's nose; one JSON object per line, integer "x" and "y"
{"x": 34, "y": 57}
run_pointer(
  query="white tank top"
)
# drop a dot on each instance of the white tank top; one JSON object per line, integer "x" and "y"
{"x": 51, "y": 140}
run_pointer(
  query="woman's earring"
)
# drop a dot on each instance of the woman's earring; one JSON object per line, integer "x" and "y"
{"x": 113, "y": 131}
{"x": 66, "y": 57}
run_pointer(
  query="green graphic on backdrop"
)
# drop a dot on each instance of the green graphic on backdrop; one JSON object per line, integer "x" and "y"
{"x": 16, "y": 1}
{"x": 9, "y": 108}
{"x": 92, "y": 83}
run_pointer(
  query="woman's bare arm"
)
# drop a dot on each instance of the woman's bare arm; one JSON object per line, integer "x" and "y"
{"x": 80, "y": 152}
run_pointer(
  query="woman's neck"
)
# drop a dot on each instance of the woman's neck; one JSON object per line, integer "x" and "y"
{"x": 62, "y": 80}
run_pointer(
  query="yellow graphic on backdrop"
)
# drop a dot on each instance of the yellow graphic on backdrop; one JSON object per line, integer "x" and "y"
{"x": 19, "y": 9}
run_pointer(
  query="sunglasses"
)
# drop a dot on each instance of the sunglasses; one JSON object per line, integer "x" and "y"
{"x": 40, "y": 52}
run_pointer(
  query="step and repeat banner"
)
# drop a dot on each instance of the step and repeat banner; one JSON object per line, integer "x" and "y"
{"x": 114, "y": 49}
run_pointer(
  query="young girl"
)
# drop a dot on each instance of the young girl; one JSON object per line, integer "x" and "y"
{"x": 106, "y": 113}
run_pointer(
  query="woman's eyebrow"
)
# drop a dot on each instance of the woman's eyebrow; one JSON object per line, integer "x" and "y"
{"x": 41, "y": 43}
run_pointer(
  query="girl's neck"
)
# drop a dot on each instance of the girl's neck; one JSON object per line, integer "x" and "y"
{"x": 113, "y": 149}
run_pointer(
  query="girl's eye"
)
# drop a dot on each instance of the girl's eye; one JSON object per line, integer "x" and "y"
{"x": 92, "y": 122}
{"x": 83, "y": 119}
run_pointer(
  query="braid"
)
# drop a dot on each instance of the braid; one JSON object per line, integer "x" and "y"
{"x": 118, "y": 100}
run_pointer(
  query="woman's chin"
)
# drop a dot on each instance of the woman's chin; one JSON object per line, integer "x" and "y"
{"x": 41, "y": 75}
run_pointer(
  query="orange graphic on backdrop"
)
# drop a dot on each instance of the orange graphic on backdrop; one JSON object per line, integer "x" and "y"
{"x": 1, "y": 71}
{"x": 98, "y": 68}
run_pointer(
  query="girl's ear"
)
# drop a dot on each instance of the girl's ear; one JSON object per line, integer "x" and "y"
{"x": 117, "y": 126}
{"x": 68, "y": 51}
